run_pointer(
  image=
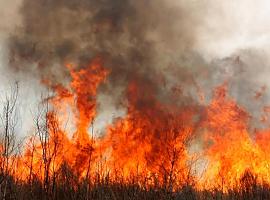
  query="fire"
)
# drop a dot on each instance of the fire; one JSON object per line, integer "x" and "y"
{"x": 51, "y": 147}
{"x": 150, "y": 144}
{"x": 232, "y": 152}
{"x": 151, "y": 140}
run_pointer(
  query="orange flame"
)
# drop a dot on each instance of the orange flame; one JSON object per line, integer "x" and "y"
{"x": 150, "y": 143}
{"x": 231, "y": 151}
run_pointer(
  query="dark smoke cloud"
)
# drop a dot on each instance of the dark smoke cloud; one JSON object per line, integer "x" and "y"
{"x": 156, "y": 43}
{"x": 146, "y": 38}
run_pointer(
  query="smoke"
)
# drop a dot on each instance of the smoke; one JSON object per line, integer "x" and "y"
{"x": 131, "y": 36}
{"x": 9, "y": 16}
{"x": 138, "y": 40}
{"x": 186, "y": 46}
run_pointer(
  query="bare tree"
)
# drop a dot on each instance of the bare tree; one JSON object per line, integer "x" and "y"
{"x": 9, "y": 121}
{"x": 48, "y": 132}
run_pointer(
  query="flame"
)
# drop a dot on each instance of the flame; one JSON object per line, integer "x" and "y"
{"x": 151, "y": 143}
{"x": 51, "y": 147}
{"x": 231, "y": 151}
{"x": 151, "y": 140}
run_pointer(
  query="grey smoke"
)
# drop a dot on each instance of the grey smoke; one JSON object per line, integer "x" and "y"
{"x": 161, "y": 43}
{"x": 139, "y": 39}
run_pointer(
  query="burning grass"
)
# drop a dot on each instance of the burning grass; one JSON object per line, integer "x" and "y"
{"x": 144, "y": 155}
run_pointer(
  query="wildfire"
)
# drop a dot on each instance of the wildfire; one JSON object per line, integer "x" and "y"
{"x": 232, "y": 152}
{"x": 150, "y": 144}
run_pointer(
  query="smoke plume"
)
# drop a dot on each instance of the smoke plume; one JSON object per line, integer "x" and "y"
{"x": 162, "y": 44}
